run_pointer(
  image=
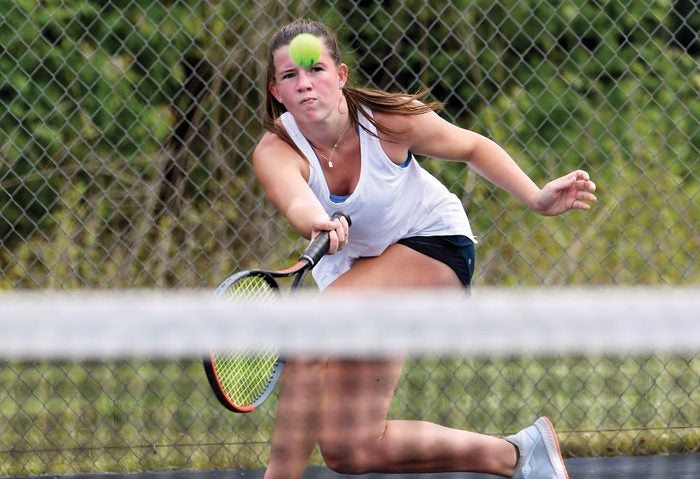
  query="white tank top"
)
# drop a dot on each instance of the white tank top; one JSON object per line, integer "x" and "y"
{"x": 390, "y": 202}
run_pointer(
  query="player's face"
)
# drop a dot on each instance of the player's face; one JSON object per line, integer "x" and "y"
{"x": 310, "y": 94}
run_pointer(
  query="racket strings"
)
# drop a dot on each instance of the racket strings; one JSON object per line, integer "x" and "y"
{"x": 250, "y": 289}
{"x": 244, "y": 376}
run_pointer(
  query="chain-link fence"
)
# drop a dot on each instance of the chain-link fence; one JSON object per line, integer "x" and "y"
{"x": 127, "y": 128}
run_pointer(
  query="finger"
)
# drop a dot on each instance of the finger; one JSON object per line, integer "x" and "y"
{"x": 583, "y": 199}
{"x": 580, "y": 175}
{"x": 586, "y": 196}
{"x": 565, "y": 182}
{"x": 334, "y": 243}
{"x": 589, "y": 196}
{"x": 342, "y": 227}
{"x": 344, "y": 221}
{"x": 327, "y": 224}
{"x": 587, "y": 185}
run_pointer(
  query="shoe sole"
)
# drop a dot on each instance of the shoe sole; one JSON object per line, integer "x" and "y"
{"x": 549, "y": 436}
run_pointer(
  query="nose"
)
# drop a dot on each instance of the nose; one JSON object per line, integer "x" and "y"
{"x": 303, "y": 80}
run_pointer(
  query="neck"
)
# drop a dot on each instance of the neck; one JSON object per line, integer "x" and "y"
{"x": 329, "y": 156}
{"x": 325, "y": 133}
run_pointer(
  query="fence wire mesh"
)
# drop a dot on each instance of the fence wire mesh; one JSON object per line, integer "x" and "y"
{"x": 126, "y": 133}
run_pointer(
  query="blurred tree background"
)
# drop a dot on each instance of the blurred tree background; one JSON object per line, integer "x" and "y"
{"x": 127, "y": 129}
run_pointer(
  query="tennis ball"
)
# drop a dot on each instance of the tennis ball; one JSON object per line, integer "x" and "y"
{"x": 305, "y": 49}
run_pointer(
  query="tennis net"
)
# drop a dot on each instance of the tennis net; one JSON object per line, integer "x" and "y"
{"x": 97, "y": 381}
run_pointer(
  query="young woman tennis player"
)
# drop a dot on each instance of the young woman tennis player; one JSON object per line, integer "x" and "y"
{"x": 330, "y": 147}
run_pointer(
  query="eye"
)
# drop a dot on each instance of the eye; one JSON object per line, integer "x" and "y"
{"x": 286, "y": 75}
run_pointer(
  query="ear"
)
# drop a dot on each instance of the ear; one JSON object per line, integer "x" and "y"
{"x": 273, "y": 90}
{"x": 342, "y": 74}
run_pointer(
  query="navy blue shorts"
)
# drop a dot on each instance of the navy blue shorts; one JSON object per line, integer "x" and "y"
{"x": 455, "y": 251}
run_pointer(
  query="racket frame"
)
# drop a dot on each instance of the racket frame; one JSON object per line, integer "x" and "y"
{"x": 311, "y": 256}
{"x": 209, "y": 361}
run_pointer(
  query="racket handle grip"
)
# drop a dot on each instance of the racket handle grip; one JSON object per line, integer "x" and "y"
{"x": 319, "y": 246}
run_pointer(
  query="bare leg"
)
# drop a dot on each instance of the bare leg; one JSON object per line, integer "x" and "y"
{"x": 297, "y": 422}
{"x": 345, "y": 403}
{"x": 356, "y": 438}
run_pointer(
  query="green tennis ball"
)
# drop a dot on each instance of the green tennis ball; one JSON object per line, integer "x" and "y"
{"x": 305, "y": 49}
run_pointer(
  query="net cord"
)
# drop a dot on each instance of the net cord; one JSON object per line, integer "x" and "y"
{"x": 186, "y": 324}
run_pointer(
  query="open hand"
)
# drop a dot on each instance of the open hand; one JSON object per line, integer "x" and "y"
{"x": 572, "y": 191}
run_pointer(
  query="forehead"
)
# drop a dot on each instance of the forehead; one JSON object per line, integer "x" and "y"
{"x": 282, "y": 61}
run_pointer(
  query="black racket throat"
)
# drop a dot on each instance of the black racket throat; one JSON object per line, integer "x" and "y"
{"x": 300, "y": 277}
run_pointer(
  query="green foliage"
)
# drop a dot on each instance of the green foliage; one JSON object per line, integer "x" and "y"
{"x": 80, "y": 81}
{"x": 110, "y": 108}
{"x": 127, "y": 128}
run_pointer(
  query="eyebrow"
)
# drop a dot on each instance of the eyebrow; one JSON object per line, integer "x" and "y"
{"x": 294, "y": 68}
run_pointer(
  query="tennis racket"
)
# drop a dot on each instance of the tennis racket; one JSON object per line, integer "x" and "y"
{"x": 243, "y": 380}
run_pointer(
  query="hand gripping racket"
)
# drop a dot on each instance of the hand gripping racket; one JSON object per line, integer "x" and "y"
{"x": 242, "y": 380}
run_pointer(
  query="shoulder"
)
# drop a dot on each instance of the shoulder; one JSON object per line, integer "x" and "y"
{"x": 268, "y": 145}
{"x": 269, "y": 141}
{"x": 273, "y": 153}
{"x": 406, "y": 123}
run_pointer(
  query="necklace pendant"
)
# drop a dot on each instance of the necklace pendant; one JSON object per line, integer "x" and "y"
{"x": 330, "y": 164}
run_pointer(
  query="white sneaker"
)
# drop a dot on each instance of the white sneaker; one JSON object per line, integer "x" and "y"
{"x": 540, "y": 456}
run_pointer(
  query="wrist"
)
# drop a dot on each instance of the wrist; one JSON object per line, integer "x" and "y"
{"x": 302, "y": 218}
{"x": 531, "y": 198}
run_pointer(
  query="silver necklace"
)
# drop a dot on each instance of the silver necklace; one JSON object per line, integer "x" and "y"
{"x": 329, "y": 159}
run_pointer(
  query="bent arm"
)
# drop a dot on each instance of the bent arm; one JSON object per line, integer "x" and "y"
{"x": 438, "y": 138}
{"x": 435, "y": 137}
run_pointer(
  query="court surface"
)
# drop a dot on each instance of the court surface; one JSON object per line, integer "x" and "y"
{"x": 639, "y": 467}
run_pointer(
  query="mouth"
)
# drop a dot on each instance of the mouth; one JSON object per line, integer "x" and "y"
{"x": 307, "y": 101}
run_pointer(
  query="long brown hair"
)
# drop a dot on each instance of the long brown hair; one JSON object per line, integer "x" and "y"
{"x": 374, "y": 99}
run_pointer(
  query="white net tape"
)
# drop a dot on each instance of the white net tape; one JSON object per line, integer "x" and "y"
{"x": 177, "y": 324}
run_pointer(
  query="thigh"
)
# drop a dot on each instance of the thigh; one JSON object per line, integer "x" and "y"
{"x": 398, "y": 267}
{"x": 357, "y": 397}
{"x": 358, "y": 393}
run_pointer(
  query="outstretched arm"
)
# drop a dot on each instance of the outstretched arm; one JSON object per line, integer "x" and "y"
{"x": 571, "y": 191}
{"x": 436, "y": 137}
{"x": 281, "y": 172}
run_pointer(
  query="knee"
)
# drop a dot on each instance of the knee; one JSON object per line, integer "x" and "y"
{"x": 346, "y": 456}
